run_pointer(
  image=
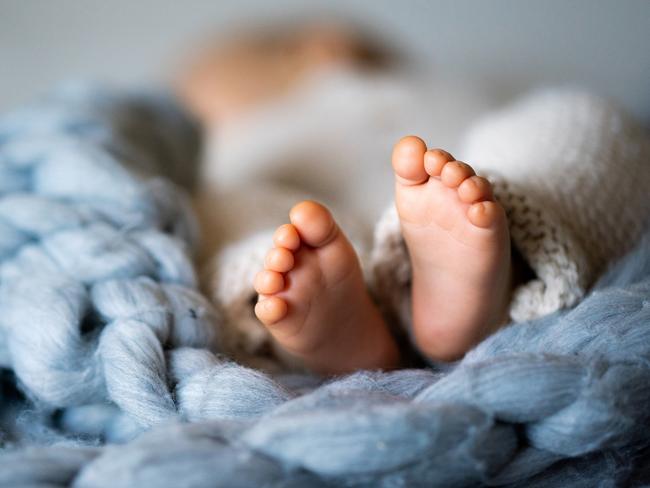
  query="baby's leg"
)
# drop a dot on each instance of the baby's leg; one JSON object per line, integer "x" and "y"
{"x": 458, "y": 242}
{"x": 314, "y": 301}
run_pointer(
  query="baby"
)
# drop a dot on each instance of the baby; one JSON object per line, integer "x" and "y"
{"x": 460, "y": 257}
{"x": 227, "y": 78}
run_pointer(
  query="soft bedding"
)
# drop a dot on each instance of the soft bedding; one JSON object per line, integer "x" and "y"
{"x": 113, "y": 374}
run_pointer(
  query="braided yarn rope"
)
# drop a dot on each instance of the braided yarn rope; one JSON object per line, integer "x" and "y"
{"x": 95, "y": 273}
{"x": 103, "y": 336}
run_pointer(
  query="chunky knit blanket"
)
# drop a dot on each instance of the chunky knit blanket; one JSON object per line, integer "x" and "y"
{"x": 110, "y": 372}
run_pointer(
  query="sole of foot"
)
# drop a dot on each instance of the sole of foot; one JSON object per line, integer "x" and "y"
{"x": 313, "y": 299}
{"x": 459, "y": 246}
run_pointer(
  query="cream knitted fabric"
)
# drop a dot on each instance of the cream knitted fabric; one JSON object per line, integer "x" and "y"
{"x": 573, "y": 175}
{"x": 230, "y": 276}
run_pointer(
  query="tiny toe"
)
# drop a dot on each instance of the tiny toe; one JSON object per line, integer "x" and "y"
{"x": 279, "y": 259}
{"x": 268, "y": 282}
{"x": 484, "y": 214}
{"x": 454, "y": 173}
{"x": 475, "y": 189}
{"x": 314, "y": 223}
{"x": 270, "y": 310}
{"x": 435, "y": 160}
{"x": 408, "y": 161}
{"x": 286, "y": 236}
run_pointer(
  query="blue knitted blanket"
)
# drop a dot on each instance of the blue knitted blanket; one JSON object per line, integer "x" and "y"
{"x": 110, "y": 373}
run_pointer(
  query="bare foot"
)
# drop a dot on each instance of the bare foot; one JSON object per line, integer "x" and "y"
{"x": 458, "y": 242}
{"x": 314, "y": 301}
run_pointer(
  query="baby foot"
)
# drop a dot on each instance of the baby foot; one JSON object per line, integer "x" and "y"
{"x": 458, "y": 242}
{"x": 313, "y": 299}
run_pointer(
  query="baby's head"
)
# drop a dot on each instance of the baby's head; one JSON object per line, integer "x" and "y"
{"x": 227, "y": 78}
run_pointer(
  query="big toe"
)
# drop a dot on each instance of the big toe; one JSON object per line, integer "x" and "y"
{"x": 408, "y": 160}
{"x": 313, "y": 222}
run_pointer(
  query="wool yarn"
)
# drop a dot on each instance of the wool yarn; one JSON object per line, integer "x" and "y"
{"x": 96, "y": 277}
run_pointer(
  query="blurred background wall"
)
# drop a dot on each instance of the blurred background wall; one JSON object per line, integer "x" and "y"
{"x": 508, "y": 44}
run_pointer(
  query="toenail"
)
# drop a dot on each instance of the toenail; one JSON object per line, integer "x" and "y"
{"x": 279, "y": 259}
{"x": 286, "y": 237}
{"x": 411, "y": 144}
{"x": 440, "y": 153}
